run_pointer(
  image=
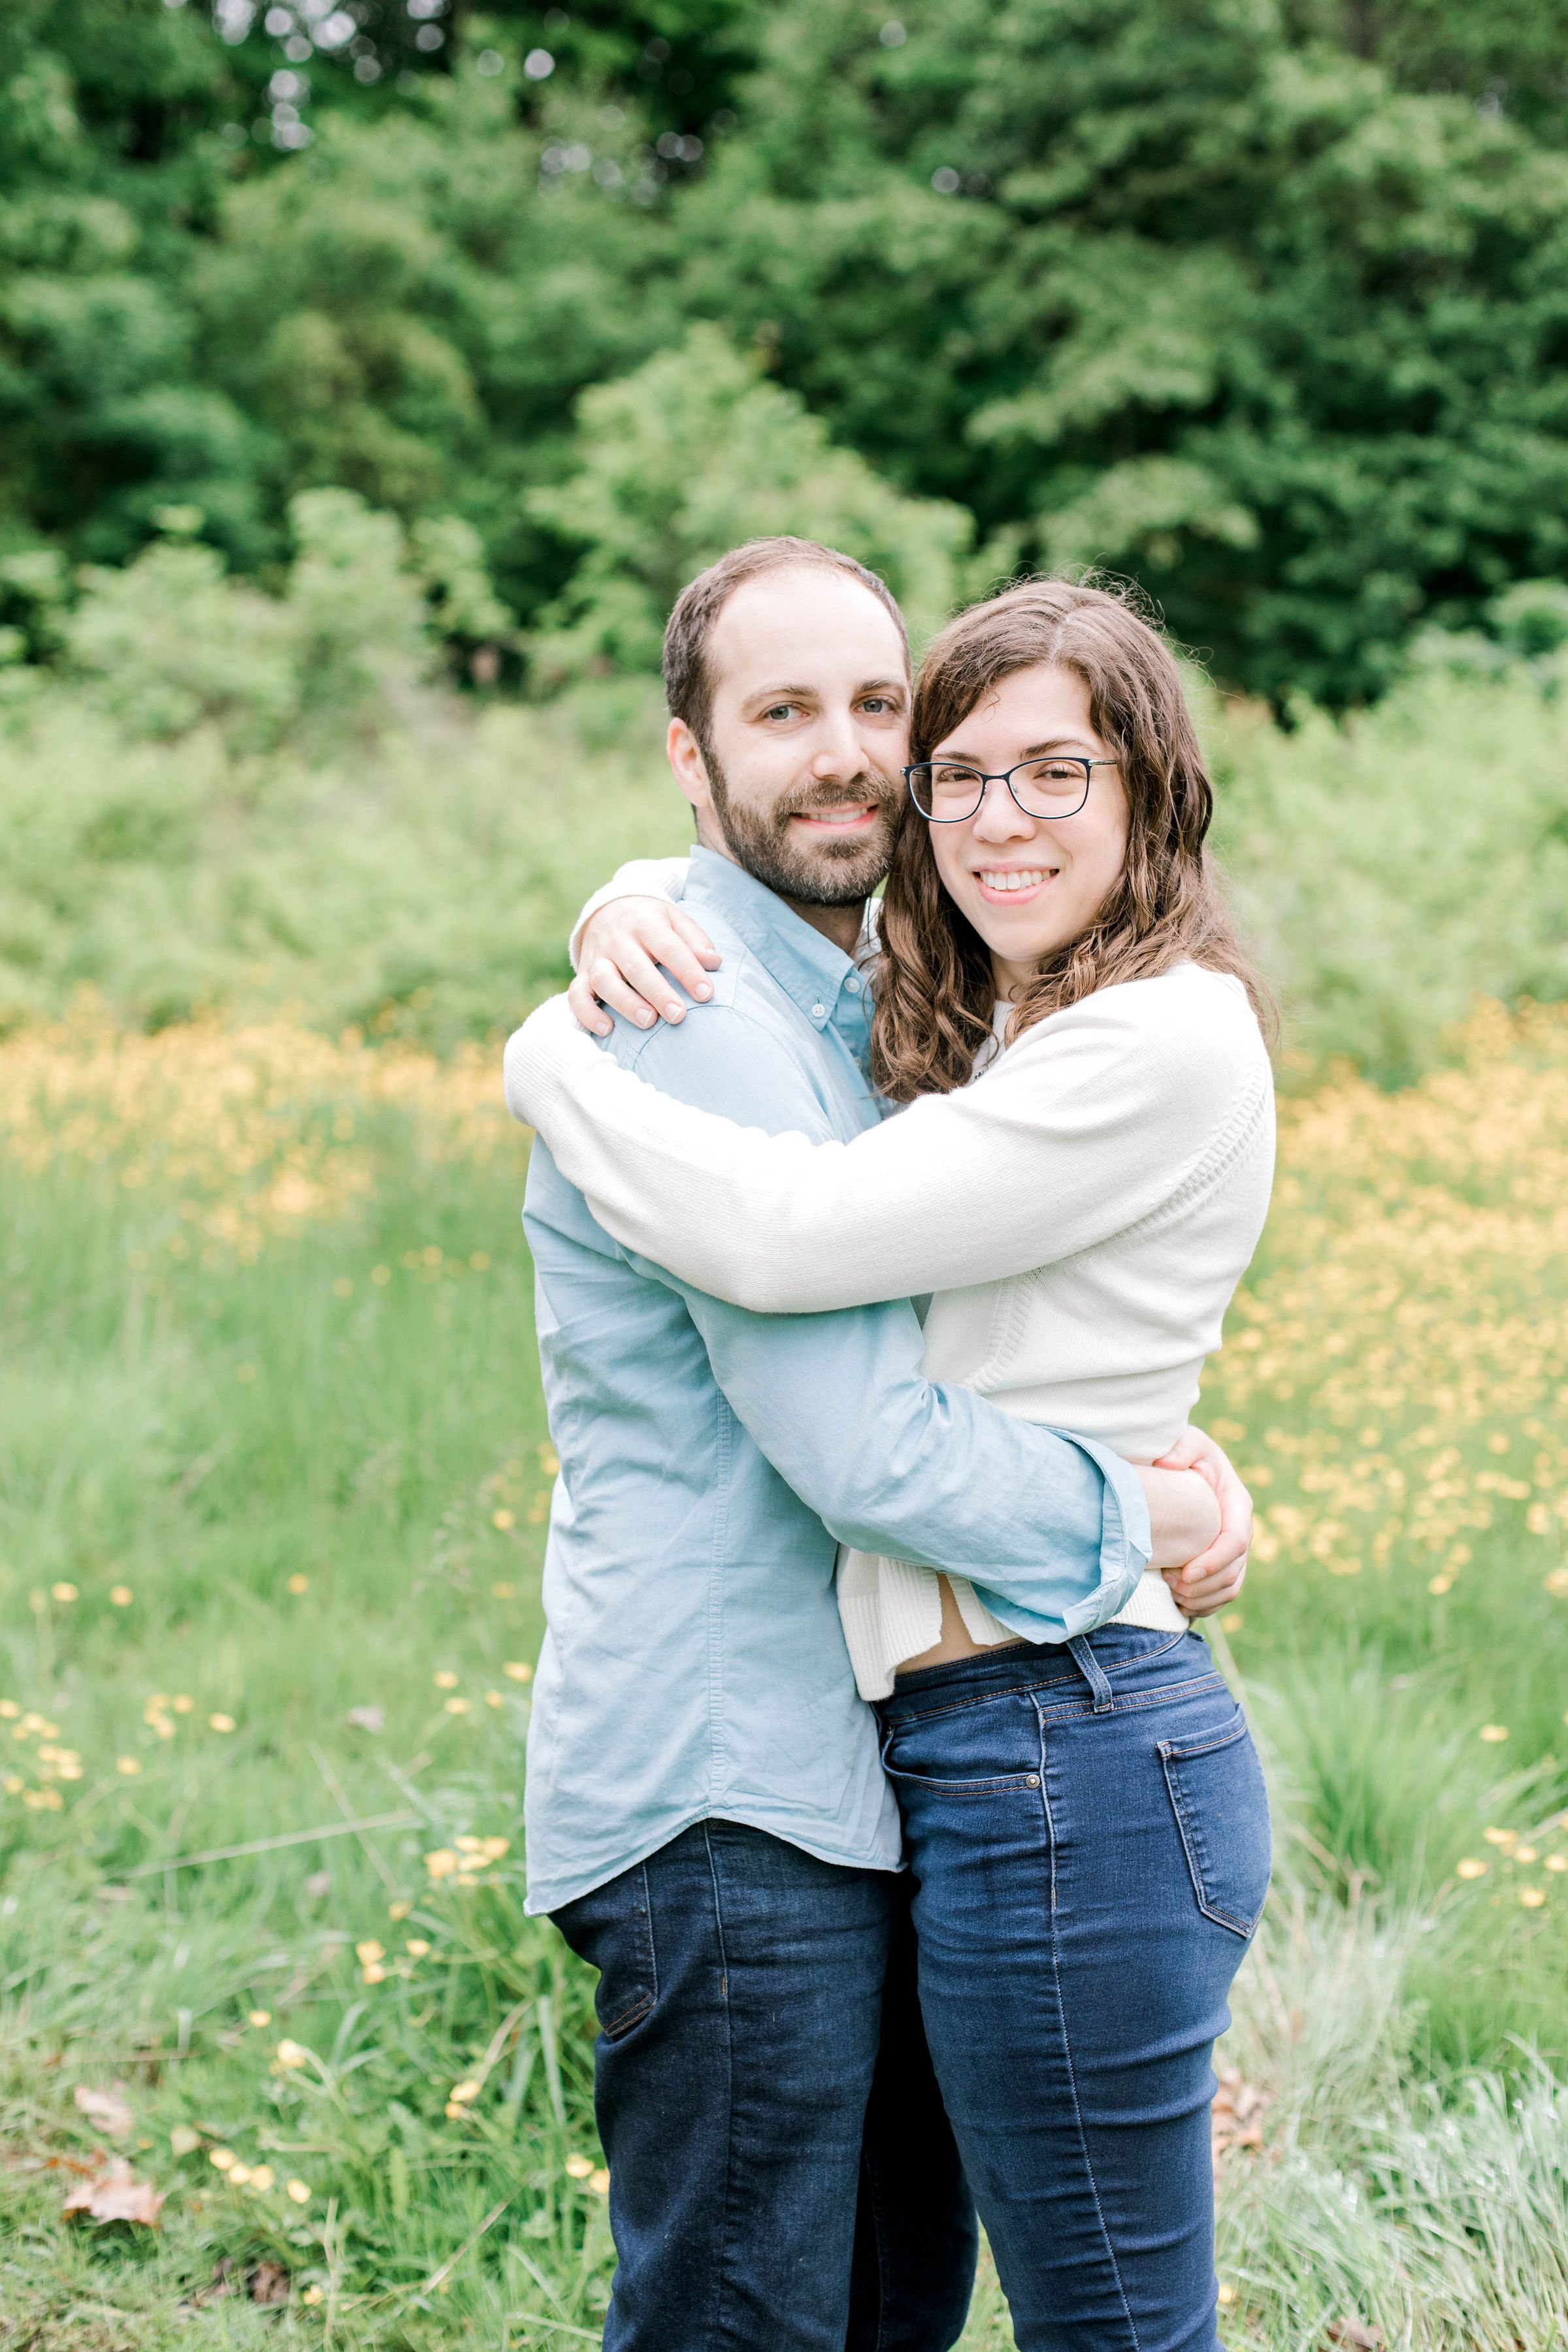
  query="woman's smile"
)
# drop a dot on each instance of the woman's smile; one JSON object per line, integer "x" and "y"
{"x": 1013, "y": 885}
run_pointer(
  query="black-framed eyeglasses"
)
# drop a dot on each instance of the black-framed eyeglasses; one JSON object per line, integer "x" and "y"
{"x": 946, "y": 791}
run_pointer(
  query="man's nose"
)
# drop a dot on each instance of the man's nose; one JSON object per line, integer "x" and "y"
{"x": 838, "y": 754}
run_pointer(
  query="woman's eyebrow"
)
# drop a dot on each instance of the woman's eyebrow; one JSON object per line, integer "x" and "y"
{"x": 1031, "y": 751}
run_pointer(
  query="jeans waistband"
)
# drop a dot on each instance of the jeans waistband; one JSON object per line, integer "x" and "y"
{"x": 1027, "y": 1665}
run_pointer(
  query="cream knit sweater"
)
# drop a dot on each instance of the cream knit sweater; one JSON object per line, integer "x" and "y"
{"x": 1082, "y": 1211}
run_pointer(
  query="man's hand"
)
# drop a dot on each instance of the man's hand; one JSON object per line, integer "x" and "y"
{"x": 619, "y": 958}
{"x": 1214, "y": 1578}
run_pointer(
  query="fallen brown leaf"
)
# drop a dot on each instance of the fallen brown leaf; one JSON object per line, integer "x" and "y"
{"x": 1351, "y": 2332}
{"x": 108, "y": 2109}
{"x": 265, "y": 2282}
{"x": 1236, "y": 2118}
{"x": 217, "y": 2288}
{"x": 115, "y": 2195}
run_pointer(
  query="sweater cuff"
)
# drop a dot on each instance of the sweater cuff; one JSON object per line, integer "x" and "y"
{"x": 638, "y": 878}
{"x": 539, "y": 1058}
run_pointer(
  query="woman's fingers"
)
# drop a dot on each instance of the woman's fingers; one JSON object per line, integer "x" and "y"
{"x": 1213, "y": 1578}
{"x": 1200, "y": 1596}
{"x": 1196, "y": 1450}
{"x": 698, "y": 940}
{"x": 622, "y": 952}
{"x": 631, "y": 985}
{"x": 589, "y": 1012}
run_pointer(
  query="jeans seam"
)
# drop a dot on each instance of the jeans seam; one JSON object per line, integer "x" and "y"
{"x": 1066, "y": 2048}
{"x": 720, "y": 2323}
{"x": 869, "y": 2172}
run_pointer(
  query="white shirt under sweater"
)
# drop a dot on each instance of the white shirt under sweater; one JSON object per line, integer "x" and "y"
{"x": 1082, "y": 1211}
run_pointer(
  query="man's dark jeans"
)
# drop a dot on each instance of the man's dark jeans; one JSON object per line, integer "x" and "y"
{"x": 781, "y": 2174}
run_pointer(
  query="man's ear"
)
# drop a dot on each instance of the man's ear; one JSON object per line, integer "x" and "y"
{"x": 690, "y": 770}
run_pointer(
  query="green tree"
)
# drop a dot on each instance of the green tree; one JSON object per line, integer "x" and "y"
{"x": 689, "y": 455}
{"x": 1261, "y": 303}
{"x": 1189, "y": 289}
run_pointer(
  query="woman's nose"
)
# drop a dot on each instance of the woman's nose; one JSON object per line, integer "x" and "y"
{"x": 999, "y": 817}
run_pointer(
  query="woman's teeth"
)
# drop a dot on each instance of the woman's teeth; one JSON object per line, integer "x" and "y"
{"x": 1029, "y": 879}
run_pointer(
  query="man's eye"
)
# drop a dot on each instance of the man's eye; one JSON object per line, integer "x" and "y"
{"x": 781, "y": 710}
{"x": 875, "y": 704}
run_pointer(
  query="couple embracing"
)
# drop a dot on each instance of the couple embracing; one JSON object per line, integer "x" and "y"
{"x": 875, "y": 1761}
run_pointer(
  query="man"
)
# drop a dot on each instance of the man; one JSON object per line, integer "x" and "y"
{"x": 708, "y": 1820}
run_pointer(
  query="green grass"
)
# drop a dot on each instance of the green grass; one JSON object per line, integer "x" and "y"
{"x": 204, "y": 1432}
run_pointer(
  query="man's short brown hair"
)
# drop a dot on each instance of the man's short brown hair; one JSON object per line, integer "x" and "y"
{"x": 688, "y": 682}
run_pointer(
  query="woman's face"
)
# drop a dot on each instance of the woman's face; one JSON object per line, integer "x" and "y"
{"x": 1031, "y": 884}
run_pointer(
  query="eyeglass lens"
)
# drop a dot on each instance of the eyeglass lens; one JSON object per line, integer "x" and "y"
{"x": 1045, "y": 788}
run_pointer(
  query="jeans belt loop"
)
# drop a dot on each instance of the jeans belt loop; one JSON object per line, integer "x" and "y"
{"x": 1089, "y": 1668}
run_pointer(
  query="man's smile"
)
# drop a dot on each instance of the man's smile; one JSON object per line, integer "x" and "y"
{"x": 845, "y": 816}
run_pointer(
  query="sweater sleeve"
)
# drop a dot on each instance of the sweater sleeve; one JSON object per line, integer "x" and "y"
{"x": 1094, "y": 1120}
{"x": 639, "y": 878}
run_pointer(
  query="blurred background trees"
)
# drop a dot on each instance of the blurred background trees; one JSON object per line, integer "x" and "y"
{"x": 1267, "y": 305}
{"x": 353, "y": 354}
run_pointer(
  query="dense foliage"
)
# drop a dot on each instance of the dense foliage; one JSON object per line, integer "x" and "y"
{"x": 1264, "y": 303}
{"x": 214, "y": 796}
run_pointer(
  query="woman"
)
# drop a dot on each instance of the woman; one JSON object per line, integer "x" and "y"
{"x": 1080, "y": 1179}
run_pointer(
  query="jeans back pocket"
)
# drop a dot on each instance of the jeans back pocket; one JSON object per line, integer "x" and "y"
{"x": 1221, "y": 1806}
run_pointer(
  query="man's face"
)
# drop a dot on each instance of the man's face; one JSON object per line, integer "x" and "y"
{"x": 800, "y": 780}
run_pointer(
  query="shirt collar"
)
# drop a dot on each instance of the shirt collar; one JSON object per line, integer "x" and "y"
{"x": 807, "y": 967}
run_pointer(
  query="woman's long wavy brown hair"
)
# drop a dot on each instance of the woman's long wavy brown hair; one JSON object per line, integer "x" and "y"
{"x": 935, "y": 991}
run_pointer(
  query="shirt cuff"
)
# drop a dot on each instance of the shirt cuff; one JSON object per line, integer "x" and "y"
{"x": 1126, "y": 1547}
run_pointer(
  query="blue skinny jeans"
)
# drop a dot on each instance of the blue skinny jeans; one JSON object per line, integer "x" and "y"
{"x": 1088, "y": 1834}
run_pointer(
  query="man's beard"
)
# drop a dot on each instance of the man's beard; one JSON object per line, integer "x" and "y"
{"x": 827, "y": 873}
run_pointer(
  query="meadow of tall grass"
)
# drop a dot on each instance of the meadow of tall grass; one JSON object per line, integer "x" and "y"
{"x": 275, "y": 1474}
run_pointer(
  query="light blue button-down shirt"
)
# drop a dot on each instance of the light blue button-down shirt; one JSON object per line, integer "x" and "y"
{"x": 711, "y": 1460}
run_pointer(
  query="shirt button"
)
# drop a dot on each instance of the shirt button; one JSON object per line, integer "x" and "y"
{"x": 819, "y": 1011}
{"x": 853, "y": 984}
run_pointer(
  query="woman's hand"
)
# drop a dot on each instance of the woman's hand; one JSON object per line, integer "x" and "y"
{"x": 619, "y": 958}
{"x": 1183, "y": 1514}
{"x": 1215, "y": 1577}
